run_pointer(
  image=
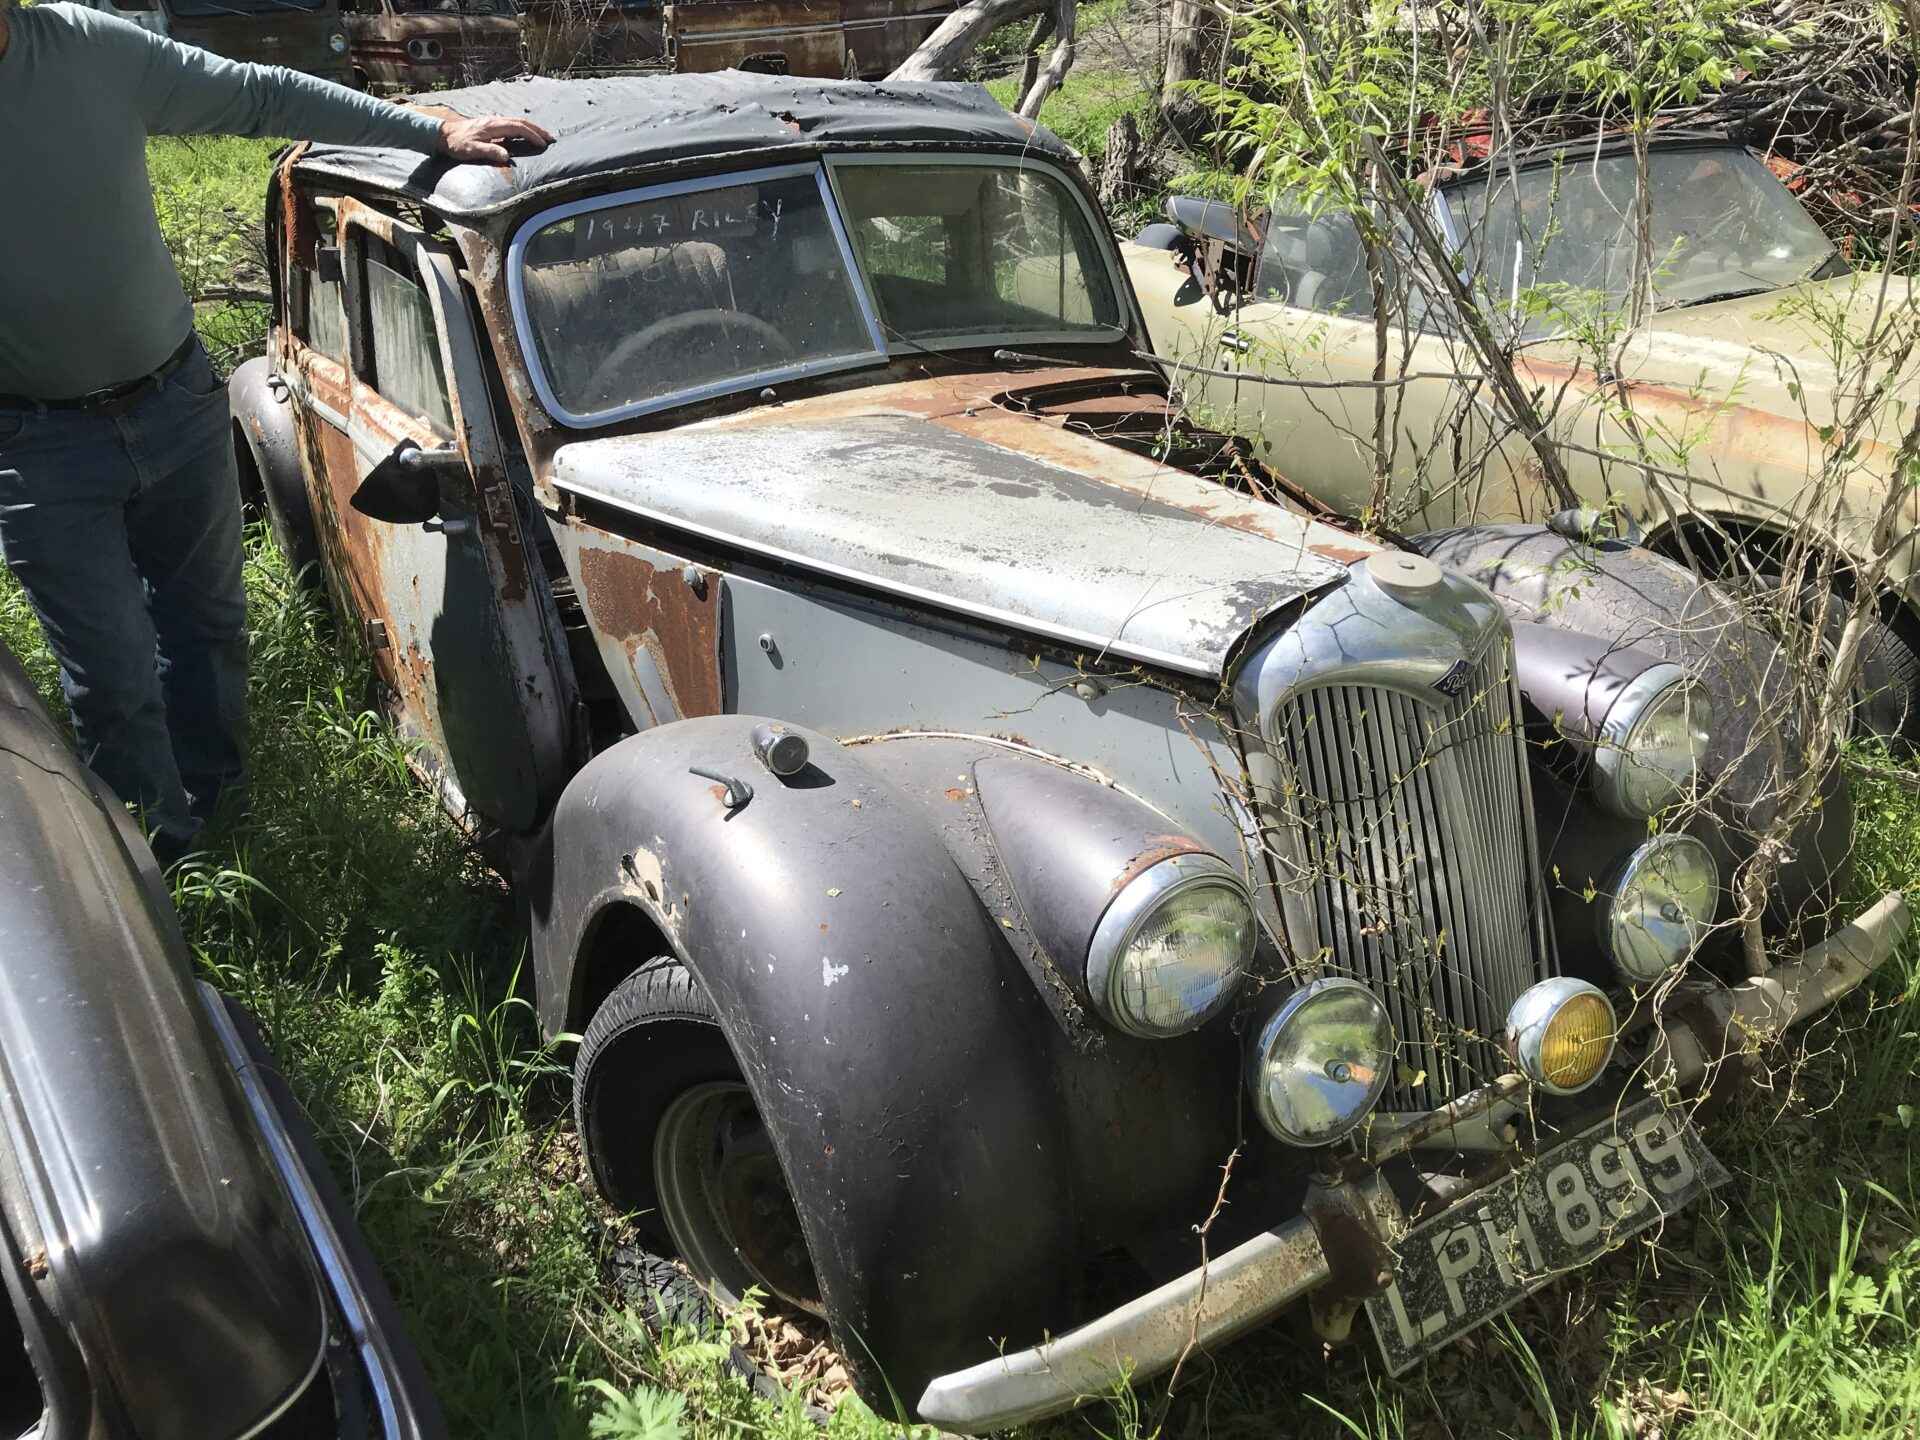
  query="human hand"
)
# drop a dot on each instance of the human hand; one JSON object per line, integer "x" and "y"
{"x": 485, "y": 141}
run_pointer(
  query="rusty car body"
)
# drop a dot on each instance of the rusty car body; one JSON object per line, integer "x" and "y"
{"x": 179, "y": 1265}
{"x": 1734, "y": 379}
{"x": 954, "y": 795}
{"x": 307, "y": 35}
{"x": 830, "y": 38}
{"x": 403, "y": 46}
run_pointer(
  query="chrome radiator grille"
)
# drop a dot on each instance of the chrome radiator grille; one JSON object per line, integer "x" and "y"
{"x": 1414, "y": 828}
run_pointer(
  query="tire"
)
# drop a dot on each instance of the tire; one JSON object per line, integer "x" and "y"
{"x": 1888, "y": 701}
{"x": 671, "y": 1134}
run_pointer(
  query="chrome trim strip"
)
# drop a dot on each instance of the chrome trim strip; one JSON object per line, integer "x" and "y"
{"x": 314, "y": 1220}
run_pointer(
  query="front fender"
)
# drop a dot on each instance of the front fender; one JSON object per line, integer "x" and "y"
{"x": 1629, "y": 598}
{"x": 898, "y": 1052}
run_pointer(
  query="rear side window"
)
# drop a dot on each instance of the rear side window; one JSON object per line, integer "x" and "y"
{"x": 326, "y": 304}
{"x": 403, "y": 347}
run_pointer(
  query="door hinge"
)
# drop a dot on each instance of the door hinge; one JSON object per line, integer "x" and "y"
{"x": 499, "y": 502}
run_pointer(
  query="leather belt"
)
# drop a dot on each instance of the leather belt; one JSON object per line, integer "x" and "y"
{"x": 110, "y": 397}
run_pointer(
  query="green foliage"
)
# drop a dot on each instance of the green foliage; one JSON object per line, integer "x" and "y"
{"x": 1640, "y": 56}
{"x": 210, "y": 193}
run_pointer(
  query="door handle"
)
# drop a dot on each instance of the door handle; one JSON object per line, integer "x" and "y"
{"x": 1233, "y": 340}
{"x": 457, "y": 526}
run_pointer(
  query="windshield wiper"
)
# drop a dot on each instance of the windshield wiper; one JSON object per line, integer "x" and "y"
{"x": 1717, "y": 295}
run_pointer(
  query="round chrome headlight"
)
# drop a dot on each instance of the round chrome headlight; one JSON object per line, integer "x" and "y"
{"x": 1321, "y": 1061}
{"x": 1662, "y": 903}
{"x": 1561, "y": 1034}
{"x": 1652, "y": 742}
{"x": 337, "y": 42}
{"x": 1171, "y": 947}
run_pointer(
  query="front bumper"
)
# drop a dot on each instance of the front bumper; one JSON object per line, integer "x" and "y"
{"x": 402, "y": 1406}
{"x": 1246, "y": 1285}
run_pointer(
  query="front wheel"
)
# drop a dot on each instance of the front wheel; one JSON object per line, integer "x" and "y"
{"x": 671, "y": 1133}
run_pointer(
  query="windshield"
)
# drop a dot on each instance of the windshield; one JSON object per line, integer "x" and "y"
{"x": 453, "y": 7}
{"x": 954, "y": 251}
{"x": 689, "y": 291}
{"x": 684, "y": 291}
{"x": 1722, "y": 226}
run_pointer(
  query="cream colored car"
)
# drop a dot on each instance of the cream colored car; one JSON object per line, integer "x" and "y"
{"x": 1732, "y": 381}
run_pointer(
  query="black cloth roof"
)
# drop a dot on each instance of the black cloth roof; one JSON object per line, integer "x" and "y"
{"x": 622, "y": 123}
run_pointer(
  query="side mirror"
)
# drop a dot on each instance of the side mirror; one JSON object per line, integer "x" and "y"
{"x": 327, "y": 266}
{"x": 404, "y": 488}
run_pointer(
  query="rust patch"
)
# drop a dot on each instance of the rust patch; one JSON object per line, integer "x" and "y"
{"x": 956, "y": 794}
{"x": 641, "y": 606}
{"x": 1156, "y": 849}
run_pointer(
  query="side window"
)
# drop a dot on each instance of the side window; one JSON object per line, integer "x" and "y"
{"x": 403, "y": 348}
{"x": 1314, "y": 264}
{"x": 319, "y": 308}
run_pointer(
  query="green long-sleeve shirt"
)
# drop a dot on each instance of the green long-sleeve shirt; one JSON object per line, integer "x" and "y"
{"x": 88, "y": 293}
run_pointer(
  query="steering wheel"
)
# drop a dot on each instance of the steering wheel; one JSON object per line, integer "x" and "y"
{"x": 677, "y": 327}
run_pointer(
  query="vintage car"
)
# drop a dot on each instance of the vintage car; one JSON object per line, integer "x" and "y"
{"x": 402, "y": 46}
{"x": 962, "y": 805}
{"x": 179, "y": 1264}
{"x": 832, "y": 38}
{"x": 1732, "y": 378}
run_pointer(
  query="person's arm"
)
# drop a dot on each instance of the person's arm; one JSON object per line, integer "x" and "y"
{"x": 187, "y": 91}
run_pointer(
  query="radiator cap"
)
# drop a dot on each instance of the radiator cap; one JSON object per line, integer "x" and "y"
{"x": 1403, "y": 573}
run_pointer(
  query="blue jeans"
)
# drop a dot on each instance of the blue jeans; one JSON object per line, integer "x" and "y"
{"x": 124, "y": 530}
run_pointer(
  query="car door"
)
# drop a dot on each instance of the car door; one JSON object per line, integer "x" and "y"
{"x": 453, "y": 613}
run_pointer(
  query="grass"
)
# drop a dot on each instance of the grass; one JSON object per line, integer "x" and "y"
{"x": 385, "y": 964}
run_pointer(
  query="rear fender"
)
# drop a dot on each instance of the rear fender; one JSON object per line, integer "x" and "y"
{"x": 263, "y": 415}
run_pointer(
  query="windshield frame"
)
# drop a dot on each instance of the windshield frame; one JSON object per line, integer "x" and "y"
{"x": 884, "y": 347}
{"x": 981, "y": 339}
{"x": 713, "y": 180}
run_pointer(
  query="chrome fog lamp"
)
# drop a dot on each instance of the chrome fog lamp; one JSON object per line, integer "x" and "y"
{"x": 337, "y": 42}
{"x": 1660, "y": 907}
{"x": 1321, "y": 1061}
{"x": 1561, "y": 1034}
{"x": 1171, "y": 947}
{"x": 1652, "y": 742}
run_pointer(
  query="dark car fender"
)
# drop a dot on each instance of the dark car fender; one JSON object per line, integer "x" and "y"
{"x": 134, "y": 1187}
{"x": 263, "y": 422}
{"x": 1630, "y": 601}
{"x": 895, "y": 1047}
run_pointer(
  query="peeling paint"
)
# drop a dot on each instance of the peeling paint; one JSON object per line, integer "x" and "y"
{"x": 830, "y": 972}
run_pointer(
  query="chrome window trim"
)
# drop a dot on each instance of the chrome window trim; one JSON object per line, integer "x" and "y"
{"x": 980, "y": 340}
{"x": 524, "y": 331}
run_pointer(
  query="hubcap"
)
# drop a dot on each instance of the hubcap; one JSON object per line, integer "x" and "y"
{"x": 725, "y": 1201}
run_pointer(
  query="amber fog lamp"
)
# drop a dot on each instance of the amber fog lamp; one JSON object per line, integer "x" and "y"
{"x": 1561, "y": 1034}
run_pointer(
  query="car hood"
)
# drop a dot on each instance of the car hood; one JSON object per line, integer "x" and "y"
{"x": 954, "y": 493}
{"x": 1770, "y": 354}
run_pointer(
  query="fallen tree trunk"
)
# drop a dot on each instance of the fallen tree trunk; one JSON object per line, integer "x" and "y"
{"x": 942, "y": 53}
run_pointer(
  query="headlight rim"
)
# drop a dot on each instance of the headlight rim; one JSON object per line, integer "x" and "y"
{"x": 1268, "y": 1037}
{"x": 1157, "y": 885}
{"x": 1525, "y": 1031}
{"x": 1613, "y": 746}
{"x": 1640, "y": 855}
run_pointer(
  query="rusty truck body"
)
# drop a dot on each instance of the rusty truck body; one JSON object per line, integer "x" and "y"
{"x": 960, "y": 801}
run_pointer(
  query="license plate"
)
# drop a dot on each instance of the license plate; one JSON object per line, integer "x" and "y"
{"x": 1568, "y": 1206}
